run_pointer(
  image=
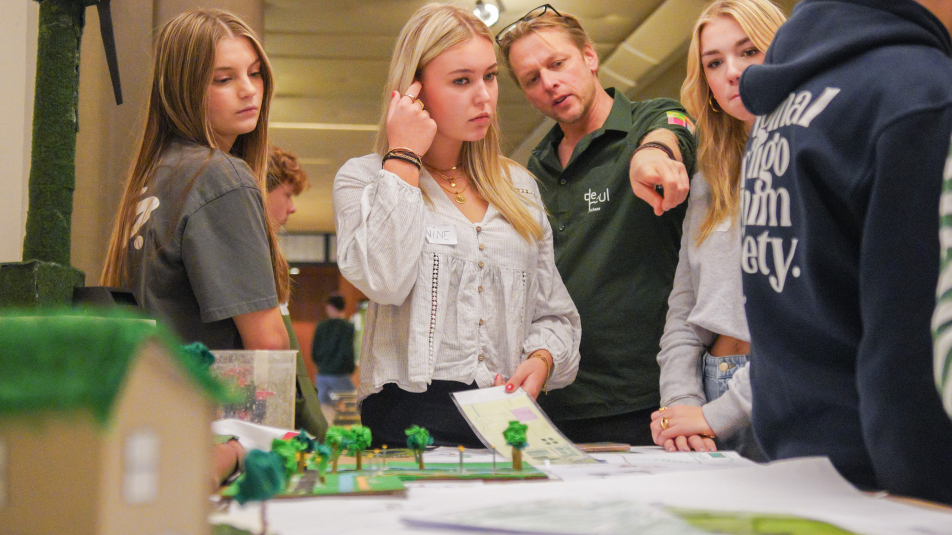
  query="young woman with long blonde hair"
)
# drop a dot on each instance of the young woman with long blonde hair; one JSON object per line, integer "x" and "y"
{"x": 448, "y": 240}
{"x": 705, "y": 385}
{"x": 192, "y": 239}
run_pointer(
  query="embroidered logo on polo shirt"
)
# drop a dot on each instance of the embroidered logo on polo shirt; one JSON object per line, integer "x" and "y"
{"x": 594, "y": 198}
{"x": 680, "y": 119}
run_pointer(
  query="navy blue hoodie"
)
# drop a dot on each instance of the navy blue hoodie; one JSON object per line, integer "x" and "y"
{"x": 842, "y": 178}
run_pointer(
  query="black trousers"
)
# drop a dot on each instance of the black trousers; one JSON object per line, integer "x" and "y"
{"x": 391, "y": 411}
{"x": 631, "y": 428}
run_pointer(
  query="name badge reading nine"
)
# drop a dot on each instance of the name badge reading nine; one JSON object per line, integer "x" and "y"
{"x": 442, "y": 234}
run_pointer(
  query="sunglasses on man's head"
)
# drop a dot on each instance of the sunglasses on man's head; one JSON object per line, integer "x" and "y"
{"x": 534, "y": 14}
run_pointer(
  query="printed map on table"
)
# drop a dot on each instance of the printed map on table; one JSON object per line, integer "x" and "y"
{"x": 489, "y": 411}
{"x": 618, "y": 517}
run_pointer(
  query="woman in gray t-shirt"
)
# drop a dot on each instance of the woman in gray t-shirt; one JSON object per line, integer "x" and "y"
{"x": 192, "y": 240}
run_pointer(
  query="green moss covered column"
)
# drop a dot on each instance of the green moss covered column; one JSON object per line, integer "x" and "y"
{"x": 46, "y": 277}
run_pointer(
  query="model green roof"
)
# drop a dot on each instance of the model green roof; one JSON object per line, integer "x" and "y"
{"x": 62, "y": 362}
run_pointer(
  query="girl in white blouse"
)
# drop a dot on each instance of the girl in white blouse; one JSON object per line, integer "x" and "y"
{"x": 448, "y": 240}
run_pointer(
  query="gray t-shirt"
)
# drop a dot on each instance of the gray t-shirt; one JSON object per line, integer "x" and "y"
{"x": 198, "y": 253}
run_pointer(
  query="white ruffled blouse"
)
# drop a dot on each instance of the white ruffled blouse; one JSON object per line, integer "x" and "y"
{"x": 450, "y": 299}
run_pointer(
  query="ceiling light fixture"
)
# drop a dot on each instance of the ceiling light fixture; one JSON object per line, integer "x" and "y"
{"x": 488, "y": 13}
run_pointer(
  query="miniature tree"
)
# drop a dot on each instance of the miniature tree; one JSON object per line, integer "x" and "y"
{"x": 200, "y": 353}
{"x": 263, "y": 478}
{"x": 360, "y": 440}
{"x": 287, "y": 450}
{"x": 418, "y": 438}
{"x": 515, "y": 436}
{"x": 336, "y": 438}
{"x": 307, "y": 445}
{"x": 323, "y": 453}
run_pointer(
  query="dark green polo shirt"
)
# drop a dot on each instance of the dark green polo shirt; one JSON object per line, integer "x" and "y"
{"x": 616, "y": 257}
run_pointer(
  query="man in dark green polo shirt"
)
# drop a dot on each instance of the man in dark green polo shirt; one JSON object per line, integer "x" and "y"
{"x": 616, "y": 237}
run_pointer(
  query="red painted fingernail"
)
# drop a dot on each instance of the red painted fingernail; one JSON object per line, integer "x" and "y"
{"x": 497, "y": 376}
{"x": 394, "y": 94}
{"x": 509, "y": 387}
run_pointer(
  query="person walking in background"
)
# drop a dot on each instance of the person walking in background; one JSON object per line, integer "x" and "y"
{"x": 333, "y": 354}
{"x": 843, "y": 176}
{"x": 705, "y": 382}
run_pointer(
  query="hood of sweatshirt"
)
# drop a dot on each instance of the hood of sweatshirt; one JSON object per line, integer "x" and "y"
{"x": 815, "y": 38}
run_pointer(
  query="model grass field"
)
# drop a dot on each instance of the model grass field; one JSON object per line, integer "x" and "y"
{"x": 304, "y": 465}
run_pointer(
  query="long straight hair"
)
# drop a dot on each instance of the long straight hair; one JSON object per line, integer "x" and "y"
{"x": 722, "y": 138}
{"x": 182, "y": 71}
{"x": 432, "y": 30}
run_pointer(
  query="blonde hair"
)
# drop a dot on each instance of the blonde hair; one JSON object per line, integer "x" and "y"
{"x": 722, "y": 137}
{"x": 432, "y": 30}
{"x": 182, "y": 71}
{"x": 564, "y": 22}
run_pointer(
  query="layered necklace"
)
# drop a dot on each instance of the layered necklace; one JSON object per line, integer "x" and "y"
{"x": 458, "y": 195}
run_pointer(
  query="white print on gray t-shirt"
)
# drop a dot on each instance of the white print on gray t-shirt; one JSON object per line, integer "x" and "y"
{"x": 143, "y": 212}
{"x": 765, "y": 206}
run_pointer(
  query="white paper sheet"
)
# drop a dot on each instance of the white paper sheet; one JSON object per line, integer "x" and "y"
{"x": 809, "y": 488}
{"x": 250, "y": 436}
{"x": 644, "y": 461}
{"x": 489, "y": 411}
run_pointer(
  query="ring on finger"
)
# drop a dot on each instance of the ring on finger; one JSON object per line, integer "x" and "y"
{"x": 420, "y": 102}
{"x": 664, "y": 424}
{"x": 662, "y": 409}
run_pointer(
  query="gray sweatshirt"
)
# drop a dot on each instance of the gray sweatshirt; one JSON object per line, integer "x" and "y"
{"x": 707, "y": 300}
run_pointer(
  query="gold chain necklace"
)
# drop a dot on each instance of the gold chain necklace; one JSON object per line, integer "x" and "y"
{"x": 450, "y": 179}
{"x": 458, "y": 195}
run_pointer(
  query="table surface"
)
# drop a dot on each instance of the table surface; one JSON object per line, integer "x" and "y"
{"x": 806, "y": 488}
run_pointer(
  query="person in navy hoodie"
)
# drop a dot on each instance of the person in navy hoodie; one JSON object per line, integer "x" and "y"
{"x": 842, "y": 178}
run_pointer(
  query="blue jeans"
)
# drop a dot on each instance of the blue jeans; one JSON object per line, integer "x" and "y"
{"x": 717, "y": 373}
{"x": 328, "y": 384}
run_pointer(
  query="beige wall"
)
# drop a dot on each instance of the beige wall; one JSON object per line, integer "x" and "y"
{"x": 109, "y": 134}
{"x": 18, "y": 23}
{"x": 252, "y": 11}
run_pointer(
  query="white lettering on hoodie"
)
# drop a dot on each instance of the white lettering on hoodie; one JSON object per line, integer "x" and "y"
{"x": 763, "y": 204}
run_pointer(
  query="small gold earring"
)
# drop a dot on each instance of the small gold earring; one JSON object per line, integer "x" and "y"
{"x": 710, "y": 101}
